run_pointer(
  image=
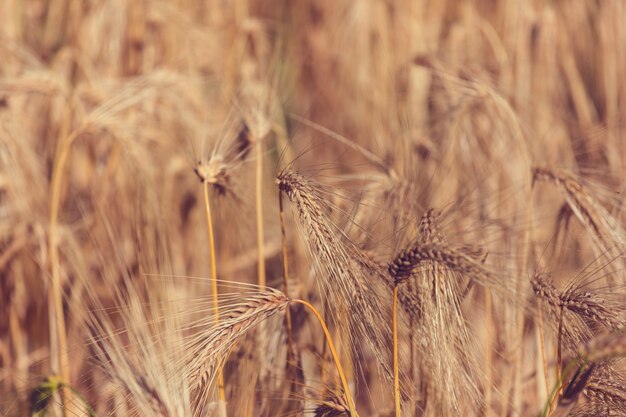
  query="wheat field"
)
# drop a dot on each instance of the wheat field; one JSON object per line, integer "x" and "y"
{"x": 325, "y": 208}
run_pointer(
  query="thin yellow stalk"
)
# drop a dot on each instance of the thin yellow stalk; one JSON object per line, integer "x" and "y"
{"x": 259, "y": 212}
{"x": 324, "y": 371}
{"x": 333, "y": 351}
{"x": 207, "y": 205}
{"x": 396, "y": 372}
{"x": 283, "y": 236}
{"x": 55, "y": 298}
{"x": 488, "y": 357}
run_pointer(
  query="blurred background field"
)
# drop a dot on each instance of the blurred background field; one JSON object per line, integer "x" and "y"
{"x": 508, "y": 117}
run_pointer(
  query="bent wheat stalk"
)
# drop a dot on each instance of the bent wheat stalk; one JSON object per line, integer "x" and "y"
{"x": 333, "y": 351}
{"x": 202, "y": 173}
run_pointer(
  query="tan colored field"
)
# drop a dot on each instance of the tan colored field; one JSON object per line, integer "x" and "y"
{"x": 328, "y": 208}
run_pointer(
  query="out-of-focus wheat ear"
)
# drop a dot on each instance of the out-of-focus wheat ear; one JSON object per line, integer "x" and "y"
{"x": 256, "y": 102}
{"x": 429, "y": 230}
{"x": 604, "y": 229}
{"x": 141, "y": 358}
{"x": 604, "y": 347}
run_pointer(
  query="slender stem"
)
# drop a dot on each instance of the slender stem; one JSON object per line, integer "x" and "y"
{"x": 283, "y": 238}
{"x": 333, "y": 351}
{"x": 396, "y": 370}
{"x": 55, "y": 297}
{"x": 259, "y": 212}
{"x": 488, "y": 351}
{"x": 261, "y": 281}
{"x": 207, "y": 205}
{"x": 324, "y": 371}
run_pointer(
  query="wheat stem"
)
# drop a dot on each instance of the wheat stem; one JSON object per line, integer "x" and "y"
{"x": 396, "y": 373}
{"x": 54, "y": 294}
{"x": 488, "y": 351}
{"x": 283, "y": 236}
{"x": 333, "y": 351}
{"x": 259, "y": 212}
{"x": 207, "y": 205}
